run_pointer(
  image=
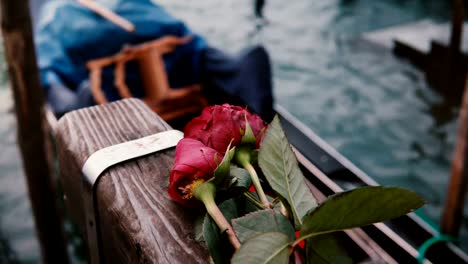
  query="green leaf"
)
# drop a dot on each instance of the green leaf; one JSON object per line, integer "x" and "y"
{"x": 235, "y": 184}
{"x": 279, "y": 164}
{"x": 260, "y": 222}
{"x": 271, "y": 248}
{"x": 198, "y": 228}
{"x": 243, "y": 180}
{"x": 249, "y": 136}
{"x": 221, "y": 172}
{"x": 217, "y": 243}
{"x": 359, "y": 207}
{"x": 326, "y": 249}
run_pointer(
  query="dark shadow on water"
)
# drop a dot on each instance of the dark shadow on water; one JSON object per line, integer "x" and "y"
{"x": 77, "y": 250}
{"x": 7, "y": 254}
{"x": 259, "y": 25}
{"x": 444, "y": 76}
{"x": 258, "y": 8}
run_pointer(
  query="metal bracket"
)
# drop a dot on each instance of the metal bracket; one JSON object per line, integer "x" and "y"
{"x": 107, "y": 157}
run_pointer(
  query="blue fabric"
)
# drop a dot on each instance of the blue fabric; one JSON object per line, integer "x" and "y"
{"x": 246, "y": 77}
{"x": 68, "y": 35}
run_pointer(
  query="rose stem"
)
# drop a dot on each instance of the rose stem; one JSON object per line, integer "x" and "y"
{"x": 243, "y": 158}
{"x": 205, "y": 192}
{"x": 275, "y": 201}
{"x": 297, "y": 256}
{"x": 256, "y": 182}
{"x": 283, "y": 210}
{"x": 253, "y": 200}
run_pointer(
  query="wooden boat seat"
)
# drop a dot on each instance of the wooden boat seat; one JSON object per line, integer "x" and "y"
{"x": 169, "y": 103}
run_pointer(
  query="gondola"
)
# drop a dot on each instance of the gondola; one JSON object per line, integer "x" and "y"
{"x": 396, "y": 241}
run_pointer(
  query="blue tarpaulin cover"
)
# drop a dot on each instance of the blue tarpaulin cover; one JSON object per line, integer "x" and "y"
{"x": 68, "y": 35}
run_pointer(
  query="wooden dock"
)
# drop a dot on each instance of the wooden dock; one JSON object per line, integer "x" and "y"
{"x": 428, "y": 45}
{"x": 418, "y": 35}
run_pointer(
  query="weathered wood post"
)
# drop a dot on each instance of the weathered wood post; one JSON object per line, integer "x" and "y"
{"x": 456, "y": 68}
{"x": 28, "y": 95}
{"x": 453, "y": 210}
{"x": 137, "y": 221}
{"x": 457, "y": 26}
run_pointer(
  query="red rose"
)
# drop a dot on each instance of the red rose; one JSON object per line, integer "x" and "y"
{"x": 219, "y": 124}
{"x": 194, "y": 163}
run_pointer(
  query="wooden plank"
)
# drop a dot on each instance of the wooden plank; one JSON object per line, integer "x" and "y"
{"x": 456, "y": 193}
{"x": 108, "y": 14}
{"x": 453, "y": 210}
{"x": 139, "y": 222}
{"x": 32, "y": 137}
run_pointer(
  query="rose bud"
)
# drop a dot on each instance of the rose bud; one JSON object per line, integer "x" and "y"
{"x": 219, "y": 124}
{"x": 194, "y": 164}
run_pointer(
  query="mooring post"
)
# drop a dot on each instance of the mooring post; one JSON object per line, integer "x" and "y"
{"x": 28, "y": 96}
{"x": 453, "y": 210}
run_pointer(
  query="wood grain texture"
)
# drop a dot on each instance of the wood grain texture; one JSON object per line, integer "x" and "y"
{"x": 31, "y": 134}
{"x": 139, "y": 223}
{"x": 452, "y": 215}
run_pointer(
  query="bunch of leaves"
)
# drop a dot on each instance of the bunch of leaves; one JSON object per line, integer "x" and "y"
{"x": 274, "y": 235}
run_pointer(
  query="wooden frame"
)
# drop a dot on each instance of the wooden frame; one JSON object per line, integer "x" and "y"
{"x": 167, "y": 102}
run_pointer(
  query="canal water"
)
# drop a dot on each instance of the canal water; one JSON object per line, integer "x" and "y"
{"x": 375, "y": 109}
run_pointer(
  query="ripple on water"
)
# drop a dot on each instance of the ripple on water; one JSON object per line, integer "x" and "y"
{"x": 16, "y": 223}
